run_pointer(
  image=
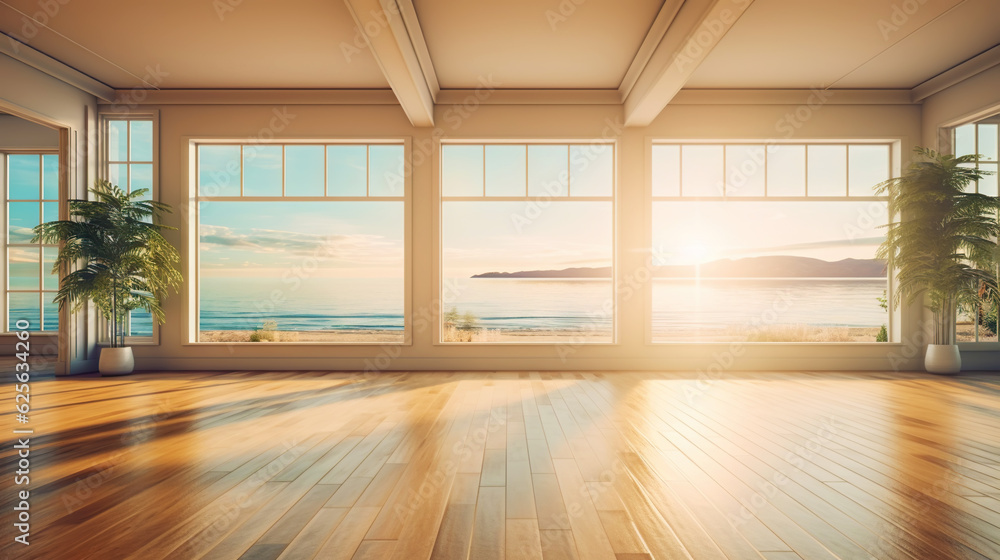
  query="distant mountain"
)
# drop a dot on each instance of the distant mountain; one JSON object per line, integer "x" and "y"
{"x": 753, "y": 267}
{"x": 580, "y": 272}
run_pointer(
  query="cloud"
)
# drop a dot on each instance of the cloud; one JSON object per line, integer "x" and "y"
{"x": 278, "y": 246}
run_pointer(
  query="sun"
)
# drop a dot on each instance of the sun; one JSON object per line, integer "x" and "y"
{"x": 696, "y": 253}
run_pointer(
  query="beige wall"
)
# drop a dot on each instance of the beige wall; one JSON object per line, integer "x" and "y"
{"x": 180, "y": 123}
{"x": 18, "y": 133}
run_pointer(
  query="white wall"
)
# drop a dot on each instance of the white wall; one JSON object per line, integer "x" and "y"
{"x": 179, "y": 123}
{"x": 36, "y": 96}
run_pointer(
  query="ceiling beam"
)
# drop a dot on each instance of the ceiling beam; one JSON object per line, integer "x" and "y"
{"x": 694, "y": 31}
{"x": 40, "y": 61}
{"x": 398, "y": 49}
{"x": 975, "y": 65}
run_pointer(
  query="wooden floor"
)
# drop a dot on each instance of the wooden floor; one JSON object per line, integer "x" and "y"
{"x": 521, "y": 465}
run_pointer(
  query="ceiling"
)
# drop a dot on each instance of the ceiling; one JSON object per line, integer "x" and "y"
{"x": 623, "y": 47}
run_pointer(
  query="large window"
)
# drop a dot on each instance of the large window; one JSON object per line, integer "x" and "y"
{"x": 979, "y": 324}
{"x": 129, "y": 148}
{"x": 761, "y": 242}
{"x": 300, "y": 242}
{"x": 31, "y": 186}
{"x": 527, "y": 242}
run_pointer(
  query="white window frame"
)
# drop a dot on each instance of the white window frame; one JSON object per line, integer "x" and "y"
{"x": 4, "y": 154}
{"x": 894, "y": 320}
{"x": 103, "y": 172}
{"x": 192, "y": 222}
{"x": 442, "y": 199}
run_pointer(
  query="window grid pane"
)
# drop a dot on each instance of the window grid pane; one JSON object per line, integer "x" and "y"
{"x": 30, "y": 284}
{"x": 301, "y": 263}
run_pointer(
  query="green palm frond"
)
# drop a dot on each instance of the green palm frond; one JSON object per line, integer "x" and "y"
{"x": 943, "y": 240}
{"x": 118, "y": 257}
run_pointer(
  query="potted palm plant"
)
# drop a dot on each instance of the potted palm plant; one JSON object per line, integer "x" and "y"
{"x": 942, "y": 243}
{"x": 118, "y": 260}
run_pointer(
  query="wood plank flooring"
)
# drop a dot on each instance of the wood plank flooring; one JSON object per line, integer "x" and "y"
{"x": 508, "y": 465}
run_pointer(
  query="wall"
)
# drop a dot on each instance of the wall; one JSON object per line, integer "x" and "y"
{"x": 826, "y": 119}
{"x": 16, "y": 132}
{"x": 36, "y": 96}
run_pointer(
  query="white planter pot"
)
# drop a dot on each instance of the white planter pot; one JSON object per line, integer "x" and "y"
{"x": 943, "y": 358}
{"x": 116, "y": 361}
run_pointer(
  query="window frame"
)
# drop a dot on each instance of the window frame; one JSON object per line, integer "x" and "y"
{"x": 440, "y": 305}
{"x": 995, "y": 164}
{"x": 895, "y": 318}
{"x": 191, "y": 262}
{"x": 103, "y": 172}
{"x": 4, "y": 215}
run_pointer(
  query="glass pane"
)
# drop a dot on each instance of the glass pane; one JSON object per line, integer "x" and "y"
{"x": 512, "y": 274}
{"x": 988, "y": 141}
{"x": 768, "y": 271}
{"x": 23, "y": 175}
{"x": 22, "y": 216}
{"x": 461, "y": 170}
{"x": 219, "y": 170}
{"x": 745, "y": 170}
{"x": 827, "y": 171}
{"x": 591, "y": 170}
{"x": 506, "y": 170}
{"x": 988, "y": 184}
{"x": 347, "y": 170}
{"x": 22, "y": 268}
{"x": 141, "y": 177}
{"x": 965, "y": 140}
{"x": 50, "y": 211}
{"x": 50, "y": 279}
{"x": 346, "y": 260}
{"x": 666, "y": 170}
{"x": 50, "y": 312}
{"x": 868, "y": 166}
{"x": 141, "y": 140}
{"x": 304, "y": 170}
{"x": 50, "y": 177}
{"x": 118, "y": 175}
{"x": 385, "y": 168}
{"x": 262, "y": 171}
{"x": 24, "y": 307}
{"x": 140, "y": 323}
{"x": 702, "y": 171}
{"x": 117, "y": 140}
{"x": 548, "y": 170}
{"x": 786, "y": 170}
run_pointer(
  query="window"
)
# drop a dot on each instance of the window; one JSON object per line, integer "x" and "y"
{"x": 758, "y": 242}
{"x": 129, "y": 149}
{"x": 527, "y": 242}
{"x": 300, "y": 242}
{"x": 31, "y": 184}
{"x": 982, "y": 138}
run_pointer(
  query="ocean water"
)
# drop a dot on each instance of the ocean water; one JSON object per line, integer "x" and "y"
{"x": 539, "y": 304}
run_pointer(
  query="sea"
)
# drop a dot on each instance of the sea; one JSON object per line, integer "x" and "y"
{"x": 539, "y": 304}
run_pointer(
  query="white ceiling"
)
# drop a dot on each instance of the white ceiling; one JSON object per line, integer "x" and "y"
{"x": 531, "y": 44}
{"x": 523, "y": 44}
{"x": 287, "y": 44}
